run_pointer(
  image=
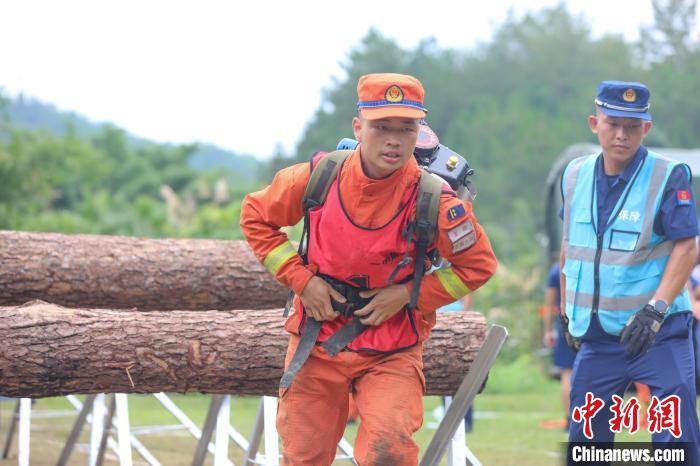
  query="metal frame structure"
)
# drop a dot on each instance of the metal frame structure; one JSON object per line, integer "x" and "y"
{"x": 102, "y": 419}
{"x": 452, "y": 423}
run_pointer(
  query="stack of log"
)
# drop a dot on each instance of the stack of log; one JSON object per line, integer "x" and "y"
{"x": 102, "y": 314}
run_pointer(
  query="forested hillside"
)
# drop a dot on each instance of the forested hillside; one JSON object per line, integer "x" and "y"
{"x": 34, "y": 115}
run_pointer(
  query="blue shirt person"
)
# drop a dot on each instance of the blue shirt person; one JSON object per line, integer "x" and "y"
{"x": 694, "y": 290}
{"x": 627, "y": 251}
{"x": 562, "y": 356}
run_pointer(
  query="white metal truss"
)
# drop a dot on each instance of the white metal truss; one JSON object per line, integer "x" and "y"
{"x": 99, "y": 417}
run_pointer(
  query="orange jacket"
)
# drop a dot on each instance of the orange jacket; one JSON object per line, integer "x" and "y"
{"x": 370, "y": 203}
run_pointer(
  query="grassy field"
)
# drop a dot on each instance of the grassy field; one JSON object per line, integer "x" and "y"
{"x": 506, "y": 431}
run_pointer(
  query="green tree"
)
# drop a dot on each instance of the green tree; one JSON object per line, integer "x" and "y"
{"x": 671, "y": 35}
{"x": 672, "y": 48}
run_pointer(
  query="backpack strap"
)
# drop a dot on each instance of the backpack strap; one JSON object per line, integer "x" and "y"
{"x": 425, "y": 225}
{"x": 323, "y": 172}
{"x": 322, "y": 175}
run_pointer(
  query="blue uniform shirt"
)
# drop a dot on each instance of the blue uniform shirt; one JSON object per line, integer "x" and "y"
{"x": 675, "y": 220}
{"x": 554, "y": 281}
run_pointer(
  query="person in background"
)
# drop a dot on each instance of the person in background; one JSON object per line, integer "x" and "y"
{"x": 629, "y": 245}
{"x": 694, "y": 292}
{"x": 563, "y": 356}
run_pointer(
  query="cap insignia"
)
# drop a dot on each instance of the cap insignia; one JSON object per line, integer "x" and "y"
{"x": 629, "y": 95}
{"x": 394, "y": 94}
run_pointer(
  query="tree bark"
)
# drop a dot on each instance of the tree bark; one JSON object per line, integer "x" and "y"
{"x": 118, "y": 272}
{"x": 48, "y": 350}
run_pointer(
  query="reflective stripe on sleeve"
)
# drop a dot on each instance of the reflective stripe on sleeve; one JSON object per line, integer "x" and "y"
{"x": 279, "y": 256}
{"x": 452, "y": 283}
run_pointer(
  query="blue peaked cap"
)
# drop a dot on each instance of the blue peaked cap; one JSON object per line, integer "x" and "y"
{"x": 623, "y": 99}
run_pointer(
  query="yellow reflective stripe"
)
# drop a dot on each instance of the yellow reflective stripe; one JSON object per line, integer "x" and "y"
{"x": 452, "y": 283}
{"x": 278, "y": 256}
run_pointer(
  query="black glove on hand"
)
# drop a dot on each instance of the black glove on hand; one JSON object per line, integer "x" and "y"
{"x": 571, "y": 341}
{"x": 640, "y": 331}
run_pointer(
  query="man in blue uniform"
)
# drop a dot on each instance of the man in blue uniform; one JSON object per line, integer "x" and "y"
{"x": 627, "y": 251}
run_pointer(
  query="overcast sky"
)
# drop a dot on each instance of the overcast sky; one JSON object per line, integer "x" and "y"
{"x": 243, "y": 75}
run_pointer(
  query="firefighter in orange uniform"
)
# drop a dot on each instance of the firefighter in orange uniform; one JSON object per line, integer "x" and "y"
{"x": 356, "y": 241}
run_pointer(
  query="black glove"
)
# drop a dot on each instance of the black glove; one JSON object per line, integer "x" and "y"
{"x": 640, "y": 331}
{"x": 571, "y": 341}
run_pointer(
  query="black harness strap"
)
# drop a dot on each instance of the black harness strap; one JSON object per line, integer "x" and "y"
{"x": 338, "y": 340}
{"x": 353, "y": 328}
{"x": 306, "y": 344}
{"x": 344, "y": 336}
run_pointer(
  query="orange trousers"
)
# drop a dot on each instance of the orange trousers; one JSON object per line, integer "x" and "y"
{"x": 313, "y": 411}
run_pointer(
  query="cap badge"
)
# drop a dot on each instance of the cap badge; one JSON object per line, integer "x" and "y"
{"x": 394, "y": 94}
{"x": 629, "y": 95}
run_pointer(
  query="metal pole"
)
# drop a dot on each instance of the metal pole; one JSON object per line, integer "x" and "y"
{"x": 207, "y": 430}
{"x": 272, "y": 450}
{"x": 465, "y": 395}
{"x": 75, "y": 431}
{"x": 105, "y": 430}
{"x": 11, "y": 430}
{"x": 25, "y": 413}
{"x": 123, "y": 431}
{"x": 347, "y": 449}
{"x": 456, "y": 451}
{"x": 236, "y": 436}
{"x": 96, "y": 427}
{"x": 182, "y": 417}
{"x": 221, "y": 438}
{"x": 255, "y": 437}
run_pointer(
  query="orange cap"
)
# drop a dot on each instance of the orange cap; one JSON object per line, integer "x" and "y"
{"x": 386, "y": 95}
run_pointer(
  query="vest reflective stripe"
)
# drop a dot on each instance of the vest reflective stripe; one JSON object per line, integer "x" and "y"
{"x": 632, "y": 257}
{"x": 611, "y": 304}
{"x": 619, "y": 257}
{"x": 279, "y": 256}
{"x": 570, "y": 175}
{"x": 451, "y": 282}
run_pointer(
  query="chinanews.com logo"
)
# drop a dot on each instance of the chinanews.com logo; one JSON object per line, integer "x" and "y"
{"x": 627, "y": 454}
{"x": 661, "y": 415}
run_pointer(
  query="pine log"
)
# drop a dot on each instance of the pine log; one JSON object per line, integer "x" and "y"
{"x": 48, "y": 350}
{"x": 118, "y": 272}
